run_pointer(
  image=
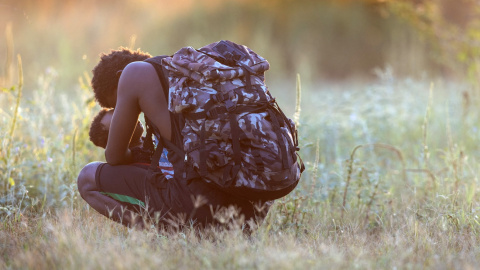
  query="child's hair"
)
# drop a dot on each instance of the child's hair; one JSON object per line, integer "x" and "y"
{"x": 98, "y": 132}
{"x": 105, "y": 77}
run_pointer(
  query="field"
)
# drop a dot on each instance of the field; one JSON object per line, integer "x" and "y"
{"x": 391, "y": 180}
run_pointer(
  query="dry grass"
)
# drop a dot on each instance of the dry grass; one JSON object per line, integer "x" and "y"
{"x": 409, "y": 157}
{"x": 84, "y": 240}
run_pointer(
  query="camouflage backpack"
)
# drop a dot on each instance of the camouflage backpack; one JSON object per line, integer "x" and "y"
{"x": 235, "y": 135}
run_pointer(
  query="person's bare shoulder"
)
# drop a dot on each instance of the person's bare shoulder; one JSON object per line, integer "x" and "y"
{"x": 138, "y": 75}
{"x": 138, "y": 78}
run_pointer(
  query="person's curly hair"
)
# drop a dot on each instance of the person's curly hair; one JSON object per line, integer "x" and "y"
{"x": 98, "y": 132}
{"x": 106, "y": 72}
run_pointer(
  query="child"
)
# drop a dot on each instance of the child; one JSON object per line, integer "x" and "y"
{"x": 99, "y": 130}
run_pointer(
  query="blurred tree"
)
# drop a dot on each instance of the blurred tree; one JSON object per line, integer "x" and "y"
{"x": 452, "y": 26}
{"x": 319, "y": 38}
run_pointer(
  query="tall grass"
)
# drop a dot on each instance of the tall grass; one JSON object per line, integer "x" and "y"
{"x": 391, "y": 182}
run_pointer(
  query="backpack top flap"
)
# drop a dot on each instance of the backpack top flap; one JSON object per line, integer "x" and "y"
{"x": 205, "y": 64}
{"x": 195, "y": 75}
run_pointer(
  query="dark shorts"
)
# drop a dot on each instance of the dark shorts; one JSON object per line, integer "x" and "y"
{"x": 173, "y": 199}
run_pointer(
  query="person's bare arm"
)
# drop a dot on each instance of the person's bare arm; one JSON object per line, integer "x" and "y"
{"x": 139, "y": 89}
{"x": 131, "y": 84}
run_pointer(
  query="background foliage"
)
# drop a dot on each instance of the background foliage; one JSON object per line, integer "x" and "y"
{"x": 319, "y": 39}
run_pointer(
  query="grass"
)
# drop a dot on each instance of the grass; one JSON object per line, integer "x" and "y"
{"x": 392, "y": 164}
{"x": 391, "y": 182}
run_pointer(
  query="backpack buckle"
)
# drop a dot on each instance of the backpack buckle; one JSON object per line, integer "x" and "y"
{"x": 218, "y": 97}
{"x": 212, "y": 113}
{"x": 230, "y": 106}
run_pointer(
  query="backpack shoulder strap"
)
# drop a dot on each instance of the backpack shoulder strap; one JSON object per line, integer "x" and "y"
{"x": 177, "y": 119}
{"x": 157, "y": 64}
{"x": 151, "y": 128}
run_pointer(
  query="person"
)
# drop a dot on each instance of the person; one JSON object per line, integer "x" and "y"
{"x": 142, "y": 156}
{"x": 124, "y": 81}
{"x": 100, "y": 126}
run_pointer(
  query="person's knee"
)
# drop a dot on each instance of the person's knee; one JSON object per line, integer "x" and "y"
{"x": 86, "y": 178}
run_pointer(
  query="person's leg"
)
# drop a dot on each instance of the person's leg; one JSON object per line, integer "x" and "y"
{"x": 218, "y": 206}
{"x": 104, "y": 204}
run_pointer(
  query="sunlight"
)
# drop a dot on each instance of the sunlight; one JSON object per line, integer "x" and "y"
{"x": 388, "y": 131}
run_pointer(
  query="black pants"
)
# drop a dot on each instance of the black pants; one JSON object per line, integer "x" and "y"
{"x": 175, "y": 201}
